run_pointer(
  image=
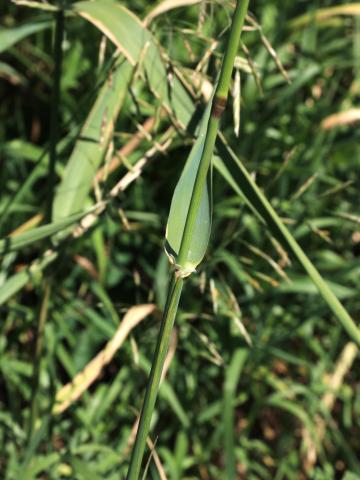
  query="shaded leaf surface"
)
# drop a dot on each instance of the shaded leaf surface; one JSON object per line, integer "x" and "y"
{"x": 92, "y": 144}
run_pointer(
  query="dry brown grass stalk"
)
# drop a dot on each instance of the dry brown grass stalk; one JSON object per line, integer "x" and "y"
{"x": 70, "y": 392}
{"x": 342, "y": 118}
{"x": 127, "y": 149}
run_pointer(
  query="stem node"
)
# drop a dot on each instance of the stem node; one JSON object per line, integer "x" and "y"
{"x": 219, "y": 104}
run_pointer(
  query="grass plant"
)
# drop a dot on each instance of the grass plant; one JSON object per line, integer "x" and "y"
{"x": 260, "y": 380}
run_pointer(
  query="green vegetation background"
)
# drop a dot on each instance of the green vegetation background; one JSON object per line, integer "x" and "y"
{"x": 257, "y": 348}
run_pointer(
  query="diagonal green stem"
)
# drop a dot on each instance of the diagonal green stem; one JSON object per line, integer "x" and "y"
{"x": 155, "y": 375}
{"x": 175, "y": 289}
{"x": 37, "y": 359}
{"x": 55, "y": 101}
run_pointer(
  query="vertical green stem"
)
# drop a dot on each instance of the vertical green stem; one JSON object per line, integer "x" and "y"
{"x": 218, "y": 107}
{"x": 37, "y": 358}
{"x": 54, "y": 117}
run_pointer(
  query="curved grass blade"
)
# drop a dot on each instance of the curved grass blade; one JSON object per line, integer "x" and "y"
{"x": 13, "y": 243}
{"x": 92, "y": 144}
{"x": 180, "y": 205}
{"x": 137, "y": 44}
{"x": 10, "y": 36}
{"x": 264, "y": 209}
{"x": 15, "y": 283}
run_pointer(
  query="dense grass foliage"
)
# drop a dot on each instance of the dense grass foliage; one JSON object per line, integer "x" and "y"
{"x": 261, "y": 380}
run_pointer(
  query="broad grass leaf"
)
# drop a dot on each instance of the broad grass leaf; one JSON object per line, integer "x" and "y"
{"x": 180, "y": 205}
{"x": 91, "y": 145}
{"x": 262, "y": 206}
{"x": 138, "y": 45}
{"x": 10, "y": 36}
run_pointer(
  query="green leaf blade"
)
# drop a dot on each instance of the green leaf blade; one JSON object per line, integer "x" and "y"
{"x": 180, "y": 205}
{"x": 139, "y": 46}
{"x": 11, "y": 244}
{"x": 264, "y": 209}
{"x": 92, "y": 145}
{"x": 10, "y": 36}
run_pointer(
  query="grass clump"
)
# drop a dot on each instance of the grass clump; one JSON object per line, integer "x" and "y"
{"x": 260, "y": 379}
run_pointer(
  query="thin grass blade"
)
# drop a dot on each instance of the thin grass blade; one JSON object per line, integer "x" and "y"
{"x": 18, "y": 242}
{"x": 264, "y": 209}
{"x": 16, "y": 282}
{"x": 10, "y": 36}
{"x": 233, "y": 373}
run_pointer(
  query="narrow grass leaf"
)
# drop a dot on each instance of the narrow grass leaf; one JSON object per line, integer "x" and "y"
{"x": 233, "y": 373}
{"x": 260, "y": 203}
{"x": 303, "y": 285}
{"x": 37, "y": 5}
{"x": 92, "y": 144}
{"x": 17, "y": 242}
{"x": 137, "y": 44}
{"x": 17, "y": 281}
{"x": 10, "y": 36}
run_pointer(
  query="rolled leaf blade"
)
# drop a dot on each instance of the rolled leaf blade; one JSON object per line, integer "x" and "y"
{"x": 180, "y": 205}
